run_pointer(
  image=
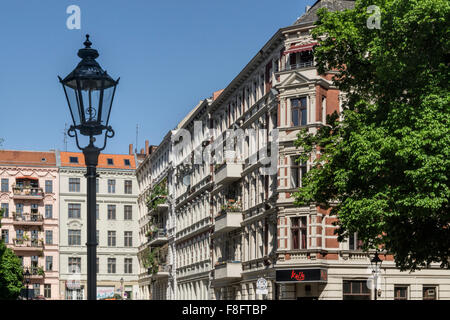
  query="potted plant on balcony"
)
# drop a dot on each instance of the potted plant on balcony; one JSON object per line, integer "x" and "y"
{"x": 40, "y": 271}
{"x": 25, "y": 237}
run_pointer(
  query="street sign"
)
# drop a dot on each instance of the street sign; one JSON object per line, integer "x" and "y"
{"x": 261, "y": 286}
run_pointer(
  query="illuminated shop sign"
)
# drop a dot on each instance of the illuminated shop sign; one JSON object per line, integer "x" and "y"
{"x": 302, "y": 275}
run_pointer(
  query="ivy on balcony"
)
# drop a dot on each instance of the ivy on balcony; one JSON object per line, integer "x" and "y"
{"x": 158, "y": 196}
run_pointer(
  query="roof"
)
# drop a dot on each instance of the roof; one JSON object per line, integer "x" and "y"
{"x": 310, "y": 16}
{"x": 118, "y": 160}
{"x": 27, "y": 158}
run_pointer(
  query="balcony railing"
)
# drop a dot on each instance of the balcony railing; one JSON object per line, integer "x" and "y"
{"x": 157, "y": 237}
{"x": 29, "y": 219}
{"x": 163, "y": 271}
{"x": 26, "y": 192}
{"x": 227, "y": 172}
{"x": 35, "y": 272}
{"x": 28, "y": 245}
{"x": 228, "y": 220}
{"x": 229, "y": 270}
{"x": 301, "y": 65}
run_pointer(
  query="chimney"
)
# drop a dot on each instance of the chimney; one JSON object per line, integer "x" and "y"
{"x": 130, "y": 149}
{"x": 307, "y": 8}
{"x": 146, "y": 148}
{"x": 142, "y": 151}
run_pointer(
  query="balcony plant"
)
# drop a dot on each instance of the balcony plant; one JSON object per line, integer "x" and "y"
{"x": 40, "y": 271}
{"x": 231, "y": 206}
{"x": 157, "y": 197}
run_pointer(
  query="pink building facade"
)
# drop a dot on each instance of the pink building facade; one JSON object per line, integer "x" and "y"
{"x": 29, "y": 199}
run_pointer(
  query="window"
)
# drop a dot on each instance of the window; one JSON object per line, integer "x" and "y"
{"x": 355, "y": 290}
{"x": 127, "y": 162}
{"x": 298, "y": 172}
{"x": 47, "y": 291}
{"x": 429, "y": 293}
{"x": 48, "y": 211}
{"x": 73, "y": 159}
{"x": 111, "y": 186}
{"x": 111, "y": 212}
{"x": 74, "y": 184}
{"x": 74, "y": 211}
{"x": 5, "y": 185}
{"x": 74, "y": 265}
{"x": 48, "y": 263}
{"x": 97, "y": 236}
{"x": 128, "y": 186}
{"x": 400, "y": 293}
{"x": 128, "y": 213}
{"x": 97, "y": 212}
{"x": 110, "y": 161}
{"x": 353, "y": 242}
{"x": 19, "y": 208}
{"x": 48, "y": 186}
{"x": 36, "y": 289}
{"x": 48, "y": 237}
{"x": 96, "y": 185}
{"x": 298, "y": 233}
{"x": 74, "y": 237}
{"x": 5, "y": 235}
{"x": 19, "y": 234}
{"x": 5, "y": 207}
{"x": 298, "y": 112}
{"x": 128, "y": 265}
{"x": 111, "y": 238}
{"x": 97, "y": 268}
{"x": 128, "y": 239}
{"x": 111, "y": 265}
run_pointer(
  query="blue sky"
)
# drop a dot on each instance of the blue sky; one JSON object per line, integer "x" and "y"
{"x": 169, "y": 55}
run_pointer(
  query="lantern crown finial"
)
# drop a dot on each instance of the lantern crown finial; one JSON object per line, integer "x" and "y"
{"x": 87, "y": 43}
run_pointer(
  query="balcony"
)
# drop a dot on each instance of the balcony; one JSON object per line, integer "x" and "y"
{"x": 228, "y": 221}
{"x": 157, "y": 204}
{"x": 157, "y": 237}
{"x": 301, "y": 65}
{"x": 36, "y": 273}
{"x": 28, "y": 219}
{"x": 227, "y": 172}
{"x": 163, "y": 272}
{"x": 28, "y": 245}
{"x": 230, "y": 270}
{"x": 27, "y": 193}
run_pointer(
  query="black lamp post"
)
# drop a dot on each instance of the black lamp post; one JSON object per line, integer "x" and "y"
{"x": 374, "y": 262}
{"x": 89, "y": 91}
{"x": 26, "y": 276}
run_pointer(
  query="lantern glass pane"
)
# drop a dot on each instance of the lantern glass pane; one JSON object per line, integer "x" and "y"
{"x": 91, "y": 104}
{"x": 107, "y": 101}
{"x": 73, "y": 105}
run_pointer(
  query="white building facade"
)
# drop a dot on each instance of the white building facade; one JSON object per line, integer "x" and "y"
{"x": 117, "y": 227}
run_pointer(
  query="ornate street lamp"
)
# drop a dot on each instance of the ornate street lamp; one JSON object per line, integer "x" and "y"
{"x": 121, "y": 287}
{"x": 89, "y": 91}
{"x": 27, "y": 276}
{"x": 374, "y": 262}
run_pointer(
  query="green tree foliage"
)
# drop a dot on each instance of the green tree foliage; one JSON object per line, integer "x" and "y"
{"x": 384, "y": 165}
{"x": 11, "y": 273}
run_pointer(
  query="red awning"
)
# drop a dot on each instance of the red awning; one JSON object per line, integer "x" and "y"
{"x": 300, "y": 48}
{"x": 26, "y": 178}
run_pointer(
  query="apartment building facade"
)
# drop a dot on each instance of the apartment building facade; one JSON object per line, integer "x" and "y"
{"x": 236, "y": 222}
{"x": 157, "y": 278}
{"x": 30, "y": 225}
{"x": 117, "y": 227}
